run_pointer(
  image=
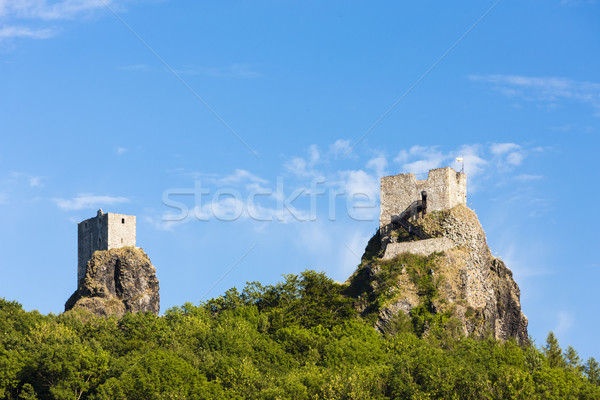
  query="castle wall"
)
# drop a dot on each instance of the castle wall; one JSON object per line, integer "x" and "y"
{"x": 421, "y": 247}
{"x": 92, "y": 235}
{"x": 445, "y": 189}
{"x": 121, "y": 230}
{"x": 103, "y": 232}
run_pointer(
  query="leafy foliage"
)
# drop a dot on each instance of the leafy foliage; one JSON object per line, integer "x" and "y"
{"x": 298, "y": 339}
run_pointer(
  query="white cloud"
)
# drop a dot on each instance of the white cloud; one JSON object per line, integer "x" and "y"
{"x": 313, "y": 154}
{"x": 340, "y": 147}
{"x": 297, "y": 166}
{"x": 527, "y": 177}
{"x": 134, "y": 67}
{"x": 240, "y": 175}
{"x": 35, "y": 181}
{"x": 429, "y": 157}
{"x": 473, "y": 161}
{"x": 20, "y": 177}
{"x": 501, "y": 148}
{"x": 379, "y": 165}
{"x": 121, "y": 150}
{"x": 229, "y": 208}
{"x": 477, "y": 159}
{"x": 563, "y": 128}
{"x": 507, "y": 154}
{"x": 305, "y": 167}
{"x": 241, "y": 71}
{"x": 359, "y": 182}
{"x": 88, "y": 201}
{"x": 55, "y": 10}
{"x": 9, "y": 32}
{"x": 317, "y": 180}
{"x": 574, "y": 3}
{"x": 515, "y": 158}
{"x": 551, "y": 90}
{"x": 38, "y": 19}
{"x": 361, "y": 191}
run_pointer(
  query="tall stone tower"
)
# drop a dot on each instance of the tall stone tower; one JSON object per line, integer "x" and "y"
{"x": 105, "y": 231}
{"x": 443, "y": 189}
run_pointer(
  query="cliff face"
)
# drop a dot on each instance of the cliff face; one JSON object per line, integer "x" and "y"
{"x": 464, "y": 282}
{"x": 117, "y": 281}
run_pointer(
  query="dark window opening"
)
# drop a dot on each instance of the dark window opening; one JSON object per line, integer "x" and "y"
{"x": 122, "y": 220}
{"x": 121, "y": 240}
{"x": 85, "y": 224}
{"x": 99, "y": 240}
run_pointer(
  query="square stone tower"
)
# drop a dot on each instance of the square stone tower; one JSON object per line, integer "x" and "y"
{"x": 443, "y": 189}
{"x": 105, "y": 231}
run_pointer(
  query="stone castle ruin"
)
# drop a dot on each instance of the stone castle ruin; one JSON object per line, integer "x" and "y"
{"x": 422, "y": 217}
{"x": 105, "y": 231}
{"x": 405, "y": 198}
{"x": 114, "y": 276}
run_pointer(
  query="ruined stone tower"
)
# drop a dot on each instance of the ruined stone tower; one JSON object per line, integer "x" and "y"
{"x": 105, "y": 231}
{"x": 443, "y": 189}
{"x": 430, "y": 218}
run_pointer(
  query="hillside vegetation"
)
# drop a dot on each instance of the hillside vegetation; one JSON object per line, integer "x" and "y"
{"x": 299, "y": 339}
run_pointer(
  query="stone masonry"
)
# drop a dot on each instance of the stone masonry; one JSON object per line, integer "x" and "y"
{"x": 444, "y": 189}
{"x": 105, "y": 231}
{"x": 421, "y": 247}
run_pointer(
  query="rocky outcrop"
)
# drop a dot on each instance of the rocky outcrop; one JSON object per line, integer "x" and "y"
{"x": 117, "y": 281}
{"x": 465, "y": 281}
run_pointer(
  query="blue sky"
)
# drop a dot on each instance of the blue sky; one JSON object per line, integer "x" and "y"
{"x": 281, "y": 117}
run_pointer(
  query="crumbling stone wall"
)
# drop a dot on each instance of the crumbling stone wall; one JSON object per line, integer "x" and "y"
{"x": 421, "y": 247}
{"x": 445, "y": 189}
{"x": 105, "y": 231}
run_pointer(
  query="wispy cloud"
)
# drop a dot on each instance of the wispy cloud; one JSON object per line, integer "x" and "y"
{"x": 587, "y": 129}
{"x": 306, "y": 166}
{"x": 9, "y": 32}
{"x": 501, "y": 148}
{"x": 134, "y": 67}
{"x": 549, "y": 90}
{"x": 510, "y": 154}
{"x": 318, "y": 176}
{"x": 32, "y": 180}
{"x": 37, "y": 19}
{"x": 230, "y": 71}
{"x": 574, "y": 3}
{"x": 340, "y": 147}
{"x": 240, "y": 175}
{"x": 528, "y": 177}
{"x": 88, "y": 201}
{"x": 35, "y": 181}
{"x": 121, "y": 150}
{"x": 378, "y": 165}
{"x": 427, "y": 157}
{"x": 51, "y": 10}
{"x": 481, "y": 161}
{"x": 475, "y": 160}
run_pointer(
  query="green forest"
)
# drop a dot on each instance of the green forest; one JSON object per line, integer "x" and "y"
{"x": 299, "y": 339}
